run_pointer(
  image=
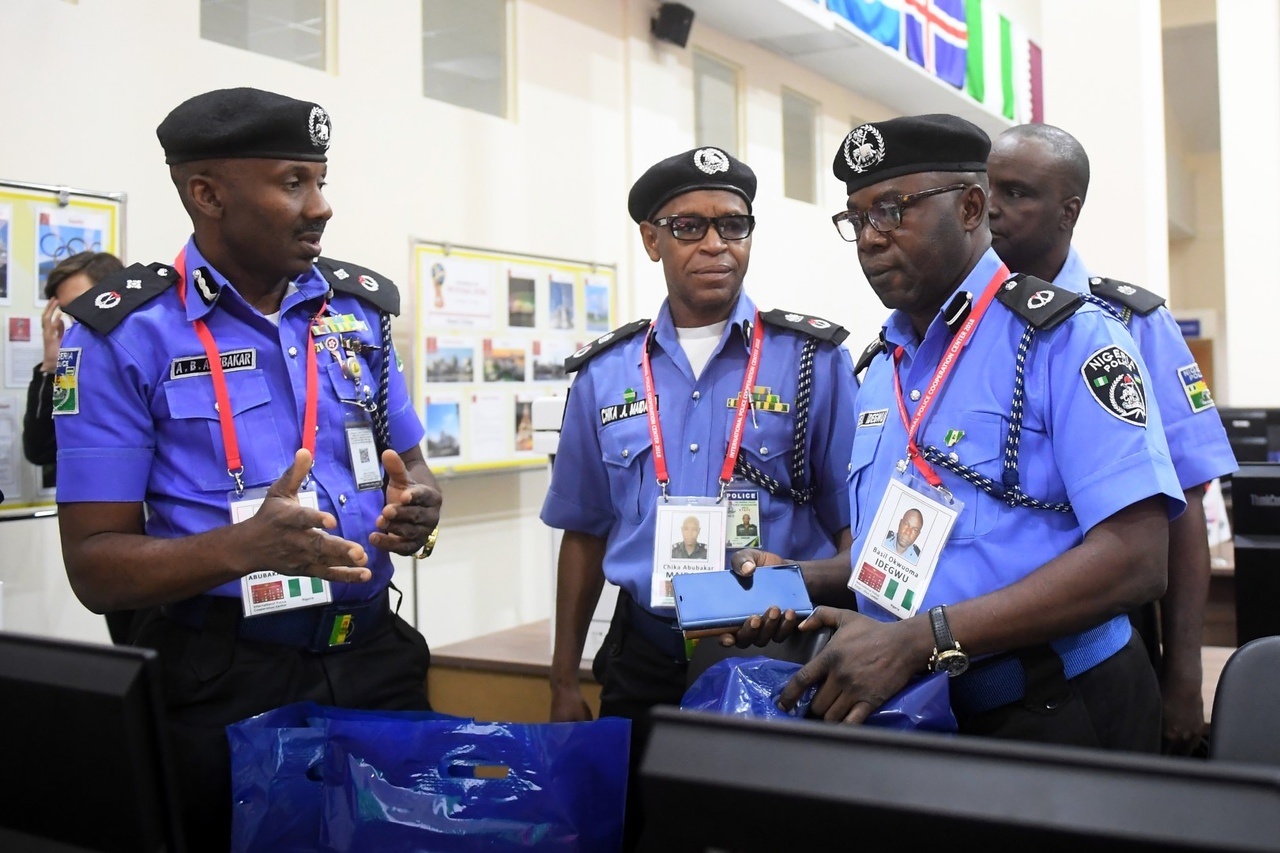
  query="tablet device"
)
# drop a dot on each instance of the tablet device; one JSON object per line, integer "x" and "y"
{"x": 706, "y": 601}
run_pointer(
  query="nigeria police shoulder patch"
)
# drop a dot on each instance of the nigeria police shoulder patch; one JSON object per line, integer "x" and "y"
{"x": 1113, "y": 378}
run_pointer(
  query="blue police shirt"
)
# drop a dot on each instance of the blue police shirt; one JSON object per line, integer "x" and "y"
{"x": 1198, "y": 442}
{"x": 1072, "y": 449}
{"x": 147, "y": 430}
{"x": 603, "y": 480}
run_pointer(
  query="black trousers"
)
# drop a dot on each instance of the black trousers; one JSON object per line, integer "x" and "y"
{"x": 1114, "y": 705}
{"x": 212, "y": 679}
{"x": 635, "y": 675}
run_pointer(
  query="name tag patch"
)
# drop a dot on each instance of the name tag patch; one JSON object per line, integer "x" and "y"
{"x": 875, "y": 417}
{"x": 621, "y": 411}
{"x": 1196, "y": 389}
{"x": 198, "y": 365}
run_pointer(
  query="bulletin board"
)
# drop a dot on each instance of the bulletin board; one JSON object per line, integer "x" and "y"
{"x": 491, "y": 333}
{"x": 40, "y": 225}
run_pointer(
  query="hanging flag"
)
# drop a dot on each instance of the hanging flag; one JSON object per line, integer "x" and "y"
{"x": 879, "y": 19}
{"x": 975, "y": 76}
{"x": 1008, "y": 92}
{"x": 1036, "y": 81}
{"x": 936, "y": 38}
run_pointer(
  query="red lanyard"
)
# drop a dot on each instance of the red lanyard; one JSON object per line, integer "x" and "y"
{"x": 745, "y": 402}
{"x": 940, "y": 376}
{"x": 226, "y": 418}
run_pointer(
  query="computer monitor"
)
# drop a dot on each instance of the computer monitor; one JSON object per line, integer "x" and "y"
{"x": 83, "y": 744}
{"x": 713, "y": 782}
{"x": 1254, "y": 433}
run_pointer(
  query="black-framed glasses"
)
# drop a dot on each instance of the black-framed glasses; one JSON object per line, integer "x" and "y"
{"x": 884, "y": 215}
{"x": 690, "y": 228}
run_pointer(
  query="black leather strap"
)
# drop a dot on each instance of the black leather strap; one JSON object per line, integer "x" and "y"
{"x": 942, "y": 639}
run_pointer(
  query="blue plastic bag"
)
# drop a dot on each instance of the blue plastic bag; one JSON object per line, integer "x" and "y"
{"x": 310, "y": 777}
{"x": 751, "y": 686}
{"x": 276, "y": 766}
{"x": 394, "y": 785}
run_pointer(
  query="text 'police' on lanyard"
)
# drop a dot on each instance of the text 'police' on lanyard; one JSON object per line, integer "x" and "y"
{"x": 745, "y": 402}
{"x": 226, "y": 419}
{"x": 940, "y": 376}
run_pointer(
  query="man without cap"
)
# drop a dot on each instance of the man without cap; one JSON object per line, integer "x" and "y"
{"x": 694, "y": 215}
{"x": 1020, "y": 412}
{"x": 251, "y": 381}
{"x": 1039, "y": 176}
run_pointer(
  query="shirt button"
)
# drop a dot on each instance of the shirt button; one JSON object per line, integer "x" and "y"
{"x": 850, "y": 467}
{"x": 764, "y": 451}
{"x": 693, "y": 448}
{"x": 342, "y": 499}
{"x": 915, "y": 395}
{"x": 697, "y": 394}
{"x": 953, "y": 456}
{"x": 293, "y": 352}
{"x": 625, "y": 453}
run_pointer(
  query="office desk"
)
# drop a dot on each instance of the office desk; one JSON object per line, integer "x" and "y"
{"x": 501, "y": 676}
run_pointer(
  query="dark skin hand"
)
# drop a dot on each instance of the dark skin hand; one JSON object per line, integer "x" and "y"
{"x": 826, "y": 581}
{"x": 1120, "y": 564}
{"x": 413, "y": 503}
{"x": 112, "y": 562}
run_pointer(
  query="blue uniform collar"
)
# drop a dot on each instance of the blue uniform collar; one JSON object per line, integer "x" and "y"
{"x": 664, "y": 331}
{"x": 898, "y": 330}
{"x": 1074, "y": 275}
{"x": 202, "y": 298}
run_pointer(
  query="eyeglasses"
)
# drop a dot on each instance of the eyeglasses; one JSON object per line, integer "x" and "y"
{"x": 690, "y": 228}
{"x": 885, "y": 215}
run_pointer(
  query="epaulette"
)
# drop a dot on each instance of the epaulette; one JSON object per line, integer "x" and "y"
{"x": 602, "y": 343}
{"x": 1137, "y": 299}
{"x": 361, "y": 282}
{"x": 873, "y": 349}
{"x": 823, "y": 330}
{"x": 103, "y": 306}
{"x": 1040, "y": 303}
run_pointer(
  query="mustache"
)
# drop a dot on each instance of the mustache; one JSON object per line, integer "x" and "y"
{"x": 316, "y": 227}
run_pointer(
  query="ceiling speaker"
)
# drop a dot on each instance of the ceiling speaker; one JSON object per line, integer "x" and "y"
{"x": 673, "y": 23}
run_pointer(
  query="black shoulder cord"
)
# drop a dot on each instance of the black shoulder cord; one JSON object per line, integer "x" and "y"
{"x": 1008, "y": 491}
{"x": 800, "y": 496}
{"x": 381, "y": 432}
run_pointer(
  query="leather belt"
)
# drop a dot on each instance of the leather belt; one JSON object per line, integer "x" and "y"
{"x": 657, "y": 630}
{"x": 329, "y": 628}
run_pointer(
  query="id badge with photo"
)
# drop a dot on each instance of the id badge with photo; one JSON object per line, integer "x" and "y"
{"x": 746, "y": 527}
{"x": 364, "y": 451}
{"x": 688, "y": 537}
{"x": 270, "y": 592}
{"x": 903, "y": 544}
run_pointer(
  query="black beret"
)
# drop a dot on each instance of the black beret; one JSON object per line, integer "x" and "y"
{"x": 699, "y": 169}
{"x": 879, "y": 150}
{"x": 237, "y": 123}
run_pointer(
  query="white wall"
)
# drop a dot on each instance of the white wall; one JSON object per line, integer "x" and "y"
{"x": 596, "y": 102}
{"x": 1104, "y": 85}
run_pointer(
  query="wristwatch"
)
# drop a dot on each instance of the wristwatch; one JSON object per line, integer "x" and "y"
{"x": 947, "y": 655}
{"x": 429, "y": 545}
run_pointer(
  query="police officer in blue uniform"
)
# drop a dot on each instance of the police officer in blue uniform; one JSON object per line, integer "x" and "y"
{"x": 1021, "y": 408}
{"x": 694, "y": 215}
{"x": 251, "y": 381}
{"x": 1039, "y": 176}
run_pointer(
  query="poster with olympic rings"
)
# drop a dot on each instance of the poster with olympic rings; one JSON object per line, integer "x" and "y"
{"x": 63, "y": 232}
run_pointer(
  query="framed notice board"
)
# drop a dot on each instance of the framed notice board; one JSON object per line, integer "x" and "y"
{"x": 40, "y": 225}
{"x": 491, "y": 333}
